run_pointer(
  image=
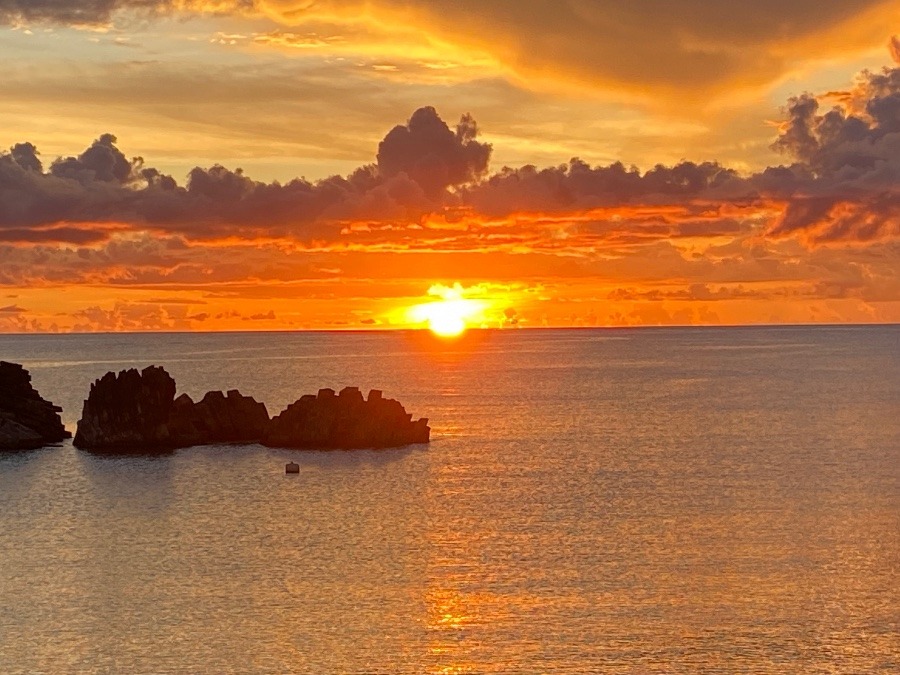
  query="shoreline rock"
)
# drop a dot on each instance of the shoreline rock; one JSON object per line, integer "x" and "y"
{"x": 345, "y": 421}
{"x": 137, "y": 412}
{"x": 27, "y": 421}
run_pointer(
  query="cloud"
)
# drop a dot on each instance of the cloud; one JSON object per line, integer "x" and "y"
{"x": 78, "y": 13}
{"x": 689, "y": 47}
{"x": 576, "y": 186}
{"x": 426, "y": 150}
{"x": 268, "y": 316}
{"x": 73, "y": 12}
{"x": 416, "y": 165}
{"x": 125, "y": 316}
{"x": 12, "y": 309}
{"x": 429, "y": 188}
{"x": 661, "y": 52}
{"x": 851, "y": 154}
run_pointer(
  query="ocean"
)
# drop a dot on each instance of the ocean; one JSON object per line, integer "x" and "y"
{"x": 685, "y": 500}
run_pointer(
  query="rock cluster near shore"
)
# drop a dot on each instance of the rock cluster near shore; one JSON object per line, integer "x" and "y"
{"x": 27, "y": 421}
{"x": 346, "y": 420}
{"x": 137, "y": 412}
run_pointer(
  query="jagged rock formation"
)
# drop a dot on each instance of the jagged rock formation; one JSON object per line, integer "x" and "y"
{"x": 345, "y": 421}
{"x": 219, "y": 418}
{"x": 27, "y": 421}
{"x": 137, "y": 412}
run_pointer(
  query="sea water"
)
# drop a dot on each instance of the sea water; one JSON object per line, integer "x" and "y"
{"x": 697, "y": 500}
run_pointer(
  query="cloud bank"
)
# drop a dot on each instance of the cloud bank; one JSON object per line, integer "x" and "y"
{"x": 843, "y": 184}
{"x": 815, "y": 238}
{"x": 416, "y": 166}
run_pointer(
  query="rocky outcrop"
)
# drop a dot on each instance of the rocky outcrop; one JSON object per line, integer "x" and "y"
{"x": 27, "y": 421}
{"x": 130, "y": 410}
{"x": 220, "y": 418}
{"x": 137, "y": 412}
{"x": 345, "y": 421}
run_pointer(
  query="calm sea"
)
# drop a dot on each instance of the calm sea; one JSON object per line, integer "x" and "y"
{"x": 593, "y": 501}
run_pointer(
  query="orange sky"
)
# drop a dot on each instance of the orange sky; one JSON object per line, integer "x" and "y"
{"x": 710, "y": 190}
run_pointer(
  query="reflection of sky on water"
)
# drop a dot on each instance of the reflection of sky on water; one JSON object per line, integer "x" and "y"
{"x": 661, "y": 503}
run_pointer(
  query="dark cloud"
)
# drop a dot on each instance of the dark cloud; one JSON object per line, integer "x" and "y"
{"x": 101, "y": 162}
{"x": 73, "y": 12}
{"x": 426, "y": 150}
{"x": 26, "y": 156}
{"x": 53, "y": 235}
{"x": 844, "y": 184}
{"x": 102, "y": 12}
{"x": 578, "y": 186}
{"x": 12, "y": 309}
{"x": 101, "y": 185}
{"x": 852, "y": 156}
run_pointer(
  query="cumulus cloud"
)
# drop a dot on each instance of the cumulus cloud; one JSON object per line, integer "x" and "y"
{"x": 577, "y": 186}
{"x": 843, "y": 184}
{"x": 426, "y": 150}
{"x": 851, "y": 156}
{"x": 416, "y": 166}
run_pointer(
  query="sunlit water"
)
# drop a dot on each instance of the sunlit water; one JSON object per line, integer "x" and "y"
{"x": 610, "y": 501}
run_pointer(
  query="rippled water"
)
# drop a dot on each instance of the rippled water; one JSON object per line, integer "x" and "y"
{"x": 610, "y": 501}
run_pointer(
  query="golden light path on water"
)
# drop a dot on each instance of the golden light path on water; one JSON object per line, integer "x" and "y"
{"x": 601, "y": 501}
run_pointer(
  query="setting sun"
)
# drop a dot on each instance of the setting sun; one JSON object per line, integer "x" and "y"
{"x": 450, "y": 313}
{"x": 446, "y": 320}
{"x": 449, "y": 326}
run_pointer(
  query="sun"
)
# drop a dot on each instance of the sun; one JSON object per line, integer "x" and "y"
{"x": 450, "y": 313}
{"x": 446, "y": 320}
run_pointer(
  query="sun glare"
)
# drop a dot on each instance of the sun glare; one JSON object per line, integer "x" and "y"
{"x": 450, "y": 314}
{"x": 446, "y": 319}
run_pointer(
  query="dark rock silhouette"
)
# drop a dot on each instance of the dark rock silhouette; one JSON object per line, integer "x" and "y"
{"x": 137, "y": 412}
{"x": 220, "y": 418}
{"x": 27, "y": 421}
{"x": 130, "y": 410}
{"x": 345, "y": 421}
{"x": 133, "y": 411}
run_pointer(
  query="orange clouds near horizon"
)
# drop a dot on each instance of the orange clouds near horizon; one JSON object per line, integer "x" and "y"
{"x": 98, "y": 241}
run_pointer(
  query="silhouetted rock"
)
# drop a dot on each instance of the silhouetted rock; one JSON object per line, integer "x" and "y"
{"x": 27, "y": 421}
{"x": 218, "y": 418}
{"x": 128, "y": 411}
{"x": 137, "y": 412}
{"x": 345, "y": 421}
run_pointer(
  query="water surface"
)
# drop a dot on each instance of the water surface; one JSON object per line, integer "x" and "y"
{"x": 616, "y": 501}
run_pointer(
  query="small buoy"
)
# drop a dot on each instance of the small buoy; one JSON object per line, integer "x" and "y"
{"x": 292, "y": 467}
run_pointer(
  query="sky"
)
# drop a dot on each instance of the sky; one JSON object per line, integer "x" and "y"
{"x": 348, "y": 164}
